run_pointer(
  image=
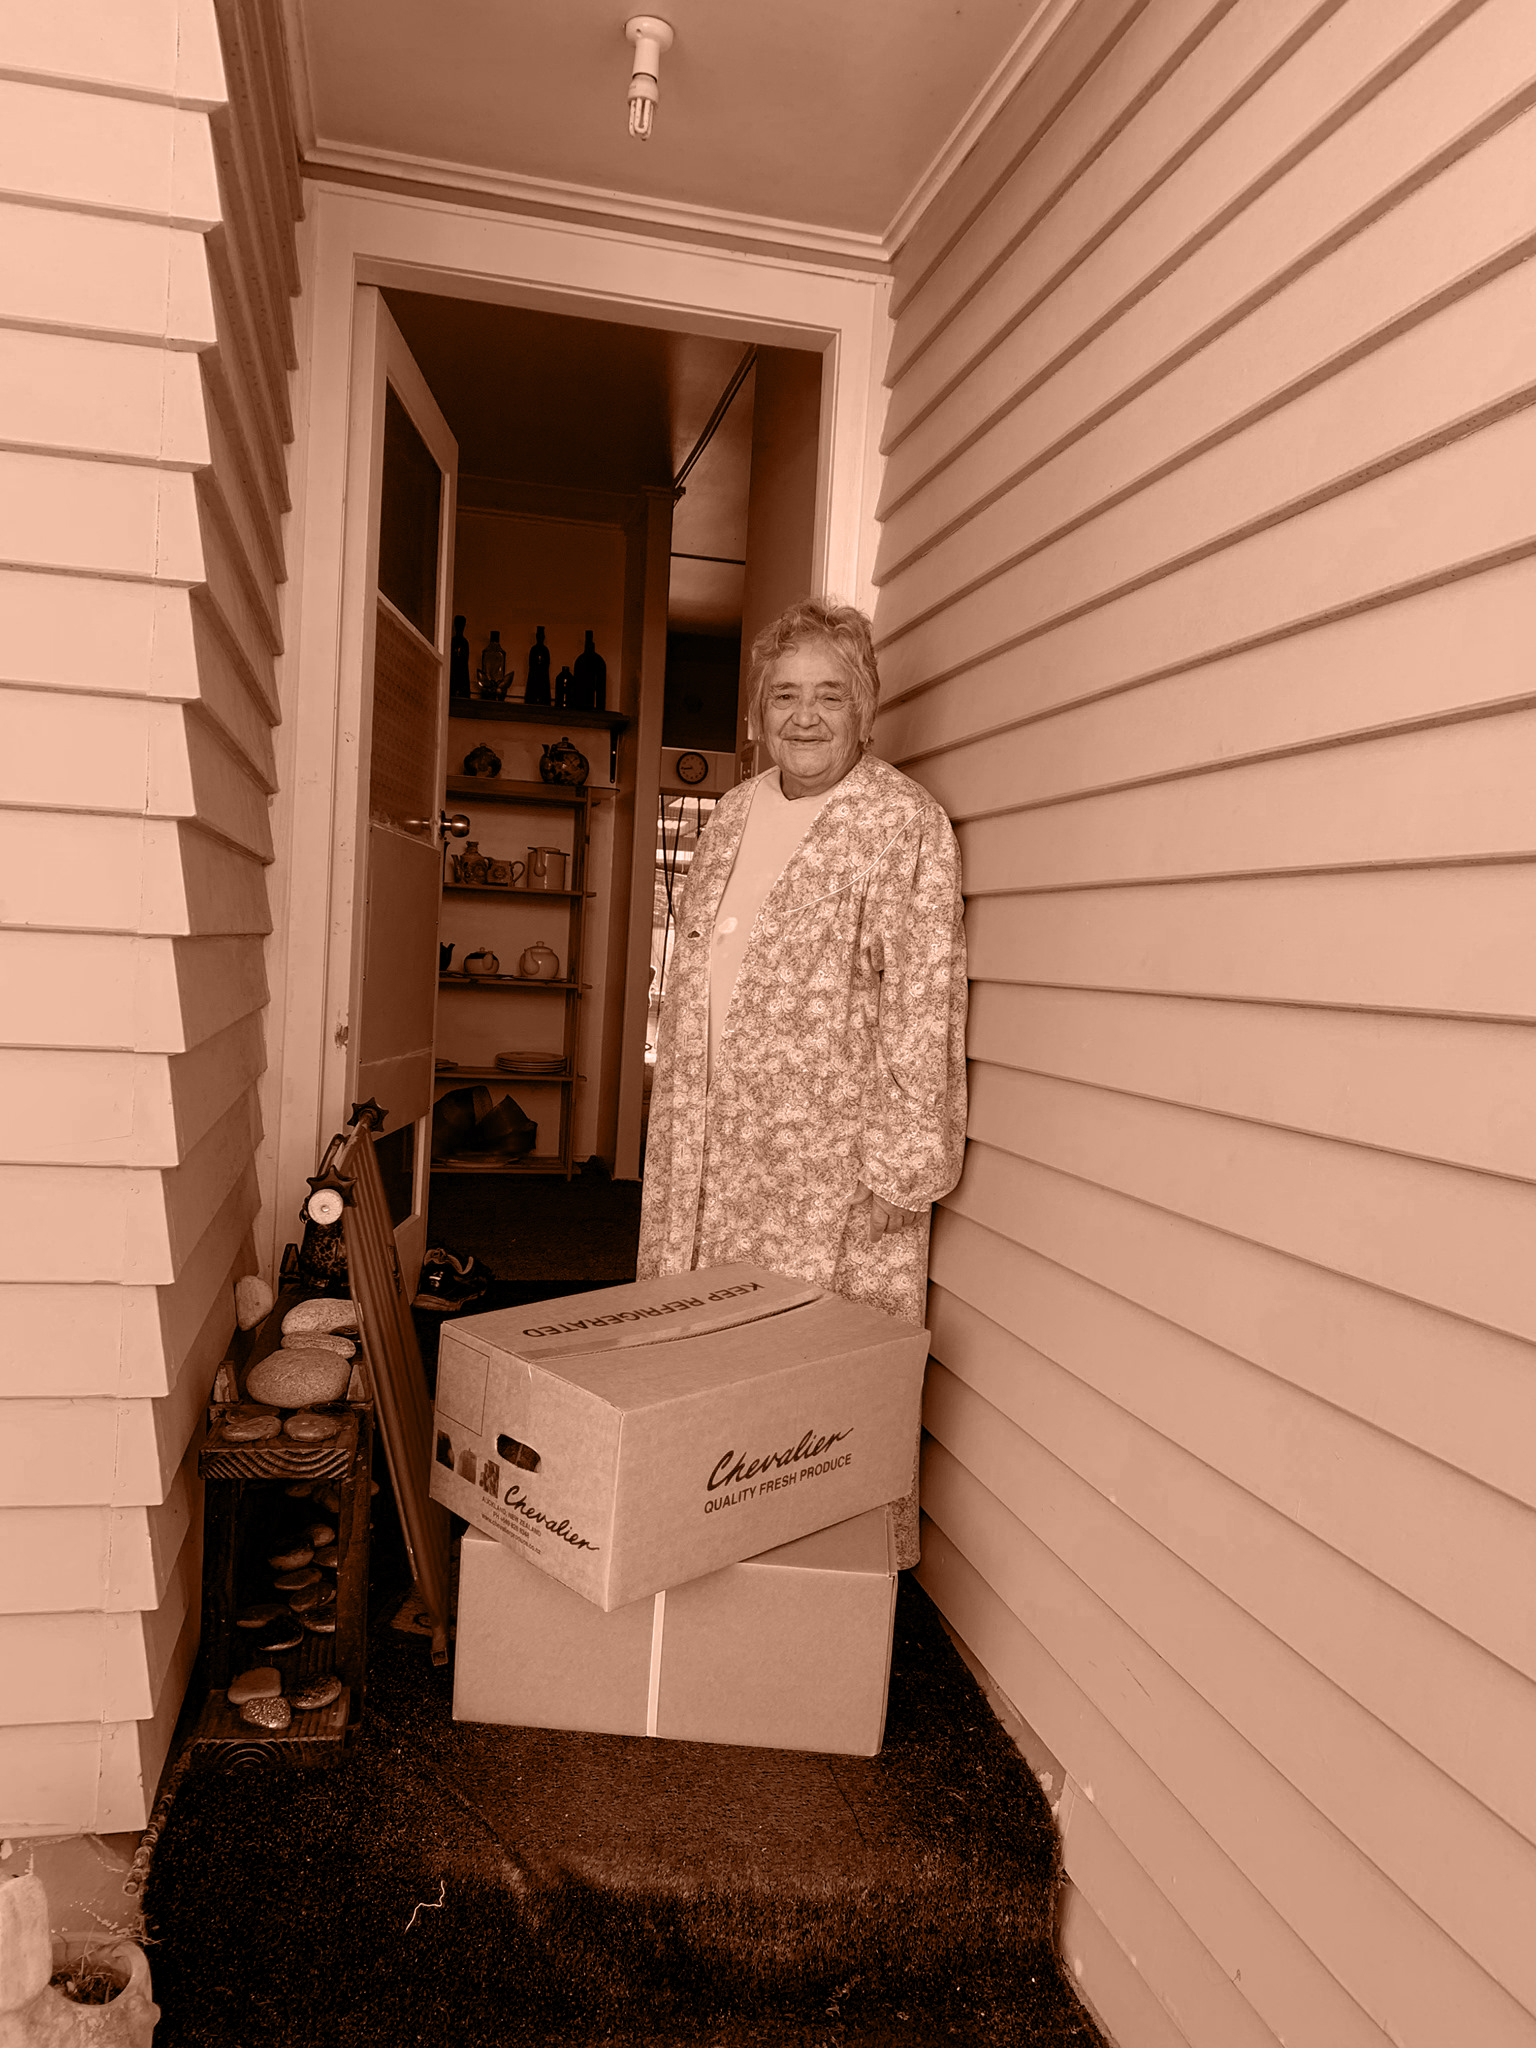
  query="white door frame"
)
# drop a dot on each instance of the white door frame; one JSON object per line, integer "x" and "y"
{"x": 357, "y": 237}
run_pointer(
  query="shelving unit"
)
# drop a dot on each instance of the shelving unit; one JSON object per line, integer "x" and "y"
{"x": 614, "y": 722}
{"x": 471, "y": 790}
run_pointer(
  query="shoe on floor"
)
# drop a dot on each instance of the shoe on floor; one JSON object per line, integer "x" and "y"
{"x": 449, "y": 1282}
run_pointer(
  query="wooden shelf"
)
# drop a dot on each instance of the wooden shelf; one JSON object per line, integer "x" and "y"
{"x": 518, "y": 894}
{"x": 534, "y": 714}
{"x": 502, "y": 981}
{"x": 499, "y": 1074}
{"x": 549, "y": 1162}
{"x": 497, "y": 789}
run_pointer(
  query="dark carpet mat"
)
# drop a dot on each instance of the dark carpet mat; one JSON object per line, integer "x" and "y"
{"x": 446, "y": 1882}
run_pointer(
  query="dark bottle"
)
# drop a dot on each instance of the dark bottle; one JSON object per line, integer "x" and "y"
{"x": 537, "y": 689}
{"x": 458, "y": 661}
{"x": 590, "y": 690}
{"x": 563, "y": 696}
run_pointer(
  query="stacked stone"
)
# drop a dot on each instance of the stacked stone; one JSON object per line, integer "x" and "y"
{"x": 313, "y": 1367}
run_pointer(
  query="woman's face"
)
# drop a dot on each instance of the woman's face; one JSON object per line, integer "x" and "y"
{"x": 810, "y": 720}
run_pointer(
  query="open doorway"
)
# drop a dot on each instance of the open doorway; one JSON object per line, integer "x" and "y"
{"x": 574, "y": 436}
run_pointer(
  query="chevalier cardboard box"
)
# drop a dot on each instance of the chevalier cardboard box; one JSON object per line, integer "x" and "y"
{"x": 629, "y": 1440}
{"x": 791, "y": 1650}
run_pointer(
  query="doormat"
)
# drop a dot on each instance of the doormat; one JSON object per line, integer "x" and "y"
{"x": 514, "y": 1886}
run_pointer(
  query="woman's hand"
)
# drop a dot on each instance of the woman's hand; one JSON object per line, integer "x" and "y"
{"x": 881, "y": 1217}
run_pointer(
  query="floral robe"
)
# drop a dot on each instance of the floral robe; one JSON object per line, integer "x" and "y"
{"x": 842, "y": 1058}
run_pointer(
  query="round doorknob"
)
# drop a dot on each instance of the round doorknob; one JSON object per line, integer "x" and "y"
{"x": 451, "y": 828}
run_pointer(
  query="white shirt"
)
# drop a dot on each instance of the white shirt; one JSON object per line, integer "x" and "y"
{"x": 775, "y": 826}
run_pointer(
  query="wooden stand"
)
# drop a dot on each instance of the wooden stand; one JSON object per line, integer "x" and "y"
{"x": 250, "y": 1516}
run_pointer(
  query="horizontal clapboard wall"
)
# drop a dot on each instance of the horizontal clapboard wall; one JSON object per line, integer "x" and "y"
{"x": 1207, "y": 586}
{"x": 148, "y": 195}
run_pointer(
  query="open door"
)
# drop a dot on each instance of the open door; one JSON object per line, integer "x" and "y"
{"x": 406, "y": 598}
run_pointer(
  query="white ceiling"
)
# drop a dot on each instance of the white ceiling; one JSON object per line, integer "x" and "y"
{"x": 824, "y": 112}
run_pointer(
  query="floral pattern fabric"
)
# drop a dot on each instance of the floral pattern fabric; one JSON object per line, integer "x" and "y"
{"x": 842, "y": 1058}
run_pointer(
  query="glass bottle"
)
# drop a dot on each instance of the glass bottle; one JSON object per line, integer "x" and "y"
{"x": 590, "y": 689}
{"x": 537, "y": 690}
{"x": 458, "y": 661}
{"x": 493, "y": 666}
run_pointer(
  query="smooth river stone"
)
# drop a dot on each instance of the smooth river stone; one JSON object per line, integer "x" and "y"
{"x": 318, "y": 1692}
{"x": 329, "y": 1556}
{"x": 292, "y": 1560}
{"x": 267, "y": 1713}
{"x": 299, "y": 1489}
{"x": 283, "y": 1635}
{"x": 261, "y": 1682}
{"x": 324, "y": 1595}
{"x": 320, "y": 1534}
{"x": 319, "y": 1340}
{"x": 305, "y": 1428}
{"x": 322, "y": 1312}
{"x": 259, "y": 1616}
{"x": 249, "y": 1429}
{"x": 328, "y": 1500}
{"x": 321, "y": 1621}
{"x": 302, "y": 1597}
{"x": 253, "y": 1301}
{"x": 290, "y": 1582}
{"x": 295, "y": 1379}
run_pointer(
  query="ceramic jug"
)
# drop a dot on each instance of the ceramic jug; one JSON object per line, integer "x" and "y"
{"x": 539, "y": 963}
{"x": 546, "y": 868}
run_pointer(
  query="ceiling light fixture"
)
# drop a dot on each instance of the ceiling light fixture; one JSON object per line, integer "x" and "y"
{"x": 650, "y": 36}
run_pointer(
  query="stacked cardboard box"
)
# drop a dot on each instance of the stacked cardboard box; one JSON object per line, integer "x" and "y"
{"x": 634, "y": 1447}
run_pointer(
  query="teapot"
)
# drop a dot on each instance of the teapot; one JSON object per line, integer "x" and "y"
{"x": 483, "y": 962}
{"x": 482, "y": 760}
{"x": 539, "y": 963}
{"x": 565, "y": 763}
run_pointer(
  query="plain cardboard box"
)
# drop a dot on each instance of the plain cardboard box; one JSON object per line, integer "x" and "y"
{"x": 791, "y": 1650}
{"x": 631, "y": 1439}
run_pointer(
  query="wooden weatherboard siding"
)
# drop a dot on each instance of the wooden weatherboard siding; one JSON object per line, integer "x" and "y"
{"x": 1207, "y": 583}
{"x": 148, "y": 195}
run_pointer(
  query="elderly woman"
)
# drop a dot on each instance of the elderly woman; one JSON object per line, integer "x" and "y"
{"x": 809, "y": 1103}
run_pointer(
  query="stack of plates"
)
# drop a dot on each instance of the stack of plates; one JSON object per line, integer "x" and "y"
{"x": 531, "y": 1062}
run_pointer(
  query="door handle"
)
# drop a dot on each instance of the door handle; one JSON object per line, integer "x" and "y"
{"x": 455, "y": 827}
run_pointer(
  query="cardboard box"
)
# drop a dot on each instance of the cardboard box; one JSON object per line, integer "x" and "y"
{"x": 791, "y": 1650}
{"x": 632, "y": 1439}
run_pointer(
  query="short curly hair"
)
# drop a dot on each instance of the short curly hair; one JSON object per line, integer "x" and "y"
{"x": 815, "y": 621}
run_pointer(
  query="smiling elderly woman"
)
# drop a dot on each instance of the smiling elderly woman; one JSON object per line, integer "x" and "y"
{"x": 809, "y": 1102}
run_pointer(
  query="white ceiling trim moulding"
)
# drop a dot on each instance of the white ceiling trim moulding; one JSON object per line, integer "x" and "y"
{"x": 977, "y": 118}
{"x": 515, "y": 189}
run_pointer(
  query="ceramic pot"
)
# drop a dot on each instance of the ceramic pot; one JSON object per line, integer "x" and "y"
{"x": 481, "y": 761}
{"x": 471, "y": 865}
{"x": 483, "y": 962}
{"x": 539, "y": 963}
{"x": 51, "y": 2020}
{"x": 564, "y": 763}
